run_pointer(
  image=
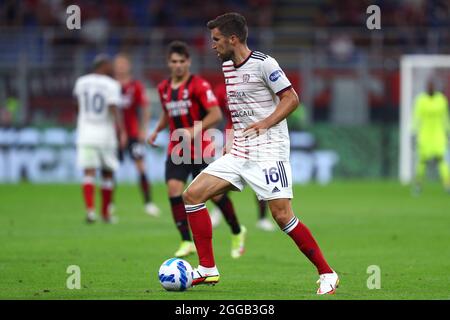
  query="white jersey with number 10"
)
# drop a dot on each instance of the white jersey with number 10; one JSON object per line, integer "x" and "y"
{"x": 96, "y": 93}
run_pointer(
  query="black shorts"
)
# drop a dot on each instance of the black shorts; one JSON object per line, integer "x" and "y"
{"x": 181, "y": 172}
{"x": 135, "y": 149}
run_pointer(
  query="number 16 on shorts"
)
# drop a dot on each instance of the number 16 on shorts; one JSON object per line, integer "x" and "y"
{"x": 275, "y": 174}
{"x": 272, "y": 175}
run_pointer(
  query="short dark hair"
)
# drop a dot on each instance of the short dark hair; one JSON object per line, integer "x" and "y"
{"x": 179, "y": 47}
{"x": 229, "y": 24}
{"x": 99, "y": 60}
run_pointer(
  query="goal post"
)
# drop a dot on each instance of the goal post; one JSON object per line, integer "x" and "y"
{"x": 415, "y": 72}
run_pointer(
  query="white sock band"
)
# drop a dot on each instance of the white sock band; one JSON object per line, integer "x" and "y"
{"x": 290, "y": 225}
{"x": 191, "y": 208}
{"x": 108, "y": 184}
{"x": 88, "y": 180}
{"x": 204, "y": 270}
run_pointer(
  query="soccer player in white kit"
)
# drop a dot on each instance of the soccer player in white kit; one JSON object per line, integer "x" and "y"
{"x": 260, "y": 98}
{"x": 98, "y": 96}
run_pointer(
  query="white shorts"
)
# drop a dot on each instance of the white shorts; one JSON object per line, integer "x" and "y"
{"x": 96, "y": 157}
{"x": 269, "y": 179}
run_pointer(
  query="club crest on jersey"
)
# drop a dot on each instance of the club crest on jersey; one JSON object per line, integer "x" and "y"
{"x": 185, "y": 94}
{"x": 245, "y": 78}
{"x": 274, "y": 76}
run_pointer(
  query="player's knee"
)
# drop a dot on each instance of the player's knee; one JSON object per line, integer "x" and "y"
{"x": 190, "y": 196}
{"x": 218, "y": 199}
{"x": 174, "y": 191}
{"x": 174, "y": 188}
{"x": 281, "y": 215}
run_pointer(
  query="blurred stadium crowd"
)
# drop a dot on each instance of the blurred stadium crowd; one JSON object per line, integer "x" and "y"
{"x": 317, "y": 41}
{"x": 183, "y": 13}
{"x": 347, "y": 75}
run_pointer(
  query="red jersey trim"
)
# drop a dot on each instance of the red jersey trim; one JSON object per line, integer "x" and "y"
{"x": 243, "y": 62}
{"x": 283, "y": 90}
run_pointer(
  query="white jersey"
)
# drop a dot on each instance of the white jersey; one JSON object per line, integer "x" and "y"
{"x": 252, "y": 89}
{"x": 96, "y": 93}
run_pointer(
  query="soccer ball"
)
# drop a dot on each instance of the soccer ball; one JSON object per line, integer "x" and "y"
{"x": 175, "y": 274}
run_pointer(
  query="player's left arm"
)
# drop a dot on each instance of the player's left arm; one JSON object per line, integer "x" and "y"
{"x": 211, "y": 105}
{"x": 289, "y": 101}
{"x": 277, "y": 81}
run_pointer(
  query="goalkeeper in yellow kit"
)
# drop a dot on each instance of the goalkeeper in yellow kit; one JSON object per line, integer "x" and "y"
{"x": 431, "y": 127}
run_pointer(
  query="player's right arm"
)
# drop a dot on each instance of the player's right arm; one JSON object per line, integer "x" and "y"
{"x": 117, "y": 115}
{"x": 163, "y": 118}
{"x": 113, "y": 101}
{"x": 162, "y": 123}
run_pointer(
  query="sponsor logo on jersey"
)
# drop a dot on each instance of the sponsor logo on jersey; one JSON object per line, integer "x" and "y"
{"x": 245, "y": 78}
{"x": 236, "y": 94}
{"x": 274, "y": 76}
{"x": 242, "y": 113}
{"x": 178, "y": 108}
{"x": 275, "y": 190}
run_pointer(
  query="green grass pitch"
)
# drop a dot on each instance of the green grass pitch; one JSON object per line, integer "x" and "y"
{"x": 357, "y": 224}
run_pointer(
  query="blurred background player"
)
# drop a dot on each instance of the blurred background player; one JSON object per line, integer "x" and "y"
{"x": 431, "y": 128}
{"x": 136, "y": 115}
{"x": 263, "y": 222}
{"x": 98, "y": 117}
{"x": 187, "y": 98}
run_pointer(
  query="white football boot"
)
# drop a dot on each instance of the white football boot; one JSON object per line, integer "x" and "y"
{"x": 152, "y": 210}
{"x": 265, "y": 225}
{"x": 91, "y": 217}
{"x": 202, "y": 275}
{"x": 238, "y": 243}
{"x": 328, "y": 282}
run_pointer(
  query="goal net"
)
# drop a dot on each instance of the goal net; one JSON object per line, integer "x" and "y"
{"x": 416, "y": 71}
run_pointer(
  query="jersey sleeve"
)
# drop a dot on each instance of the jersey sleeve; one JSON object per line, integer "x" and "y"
{"x": 274, "y": 77}
{"x": 76, "y": 88}
{"x": 160, "y": 94}
{"x": 141, "y": 96}
{"x": 205, "y": 94}
{"x": 114, "y": 96}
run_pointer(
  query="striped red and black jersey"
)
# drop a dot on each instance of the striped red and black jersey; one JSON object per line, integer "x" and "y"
{"x": 133, "y": 99}
{"x": 185, "y": 105}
